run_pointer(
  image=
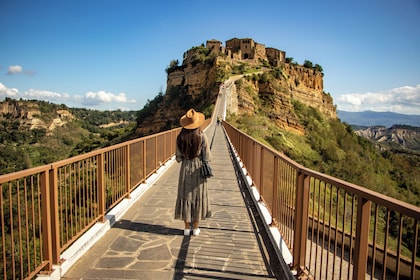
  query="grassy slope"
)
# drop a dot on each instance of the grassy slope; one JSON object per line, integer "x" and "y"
{"x": 332, "y": 147}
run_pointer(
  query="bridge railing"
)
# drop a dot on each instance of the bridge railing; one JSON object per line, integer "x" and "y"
{"x": 326, "y": 222}
{"x": 334, "y": 229}
{"x": 43, "y": 210}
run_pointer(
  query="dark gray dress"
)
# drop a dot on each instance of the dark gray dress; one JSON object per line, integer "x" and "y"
{"x": 192, "y": 203}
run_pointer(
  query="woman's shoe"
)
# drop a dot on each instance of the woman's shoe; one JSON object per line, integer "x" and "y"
{"x": 186, "y": 231}
{"x": 196, "y": 231}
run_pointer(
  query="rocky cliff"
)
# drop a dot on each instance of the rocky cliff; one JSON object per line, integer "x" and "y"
{"x": 397, "y": 136}
{"x": 274, "y": 95}
{"x": 191, "y": 85}
{"x": 30, "y": 116}
{"x": 196, "y": 83}
{"x": 35, "y": 132}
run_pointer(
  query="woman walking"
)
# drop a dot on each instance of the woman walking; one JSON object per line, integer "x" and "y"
{"x": 192, "y": 203}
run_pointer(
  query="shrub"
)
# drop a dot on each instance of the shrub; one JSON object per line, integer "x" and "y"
{"x": 307, "y": 64}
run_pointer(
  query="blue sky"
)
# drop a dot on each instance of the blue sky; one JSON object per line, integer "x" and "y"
{"x": 109, "y": 54}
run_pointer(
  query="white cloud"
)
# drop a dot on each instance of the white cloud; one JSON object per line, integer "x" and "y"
{"x": 94, "y": 100}
{"x": 17, "y": 69}
{"x": 14, "y": 69}
{"x": 8, "y": 92}
{"x": 45, "y": 95}
{"x": 404, "y": 100}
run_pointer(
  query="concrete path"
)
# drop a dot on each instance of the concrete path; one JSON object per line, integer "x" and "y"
{"x": 148, "y": 243}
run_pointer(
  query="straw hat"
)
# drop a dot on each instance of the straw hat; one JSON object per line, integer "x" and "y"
{"x": 192, "y": 119}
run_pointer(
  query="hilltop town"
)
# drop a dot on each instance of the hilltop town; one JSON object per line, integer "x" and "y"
{"x": 196, "y": 83}
{"x": 247, "y": 50}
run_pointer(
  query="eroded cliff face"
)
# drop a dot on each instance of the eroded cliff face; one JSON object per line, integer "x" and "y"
{"x": 30, "y": 117}
{"x": 196, "y": 82}
{"x": 275, "y": 96}
{"x": 191, "y": 85}
{"x": 255, "y": 96}
{"x": 307, "y": 86}
{"x": 193, "y": 78}
{"x": 407, "y": 137}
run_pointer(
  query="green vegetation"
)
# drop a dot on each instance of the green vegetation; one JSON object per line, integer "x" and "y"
{"x": 328, "y": 145}
{"x": 22, "y": 147}
{"x": 332, "y": 147}
{"x": 173, "y": 66}
{"x": 203, "y": 56}
{"x": 175, "y": 95}
{"x": 309, "y": 64}
{"x": 179, "y": 98}
{"x": 150, "y": 107}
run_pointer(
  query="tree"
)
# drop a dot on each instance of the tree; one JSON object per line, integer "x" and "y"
{"x": 173, "y": 65}
{"x": 318, "y": 68}
{"x": 307, "y": 64}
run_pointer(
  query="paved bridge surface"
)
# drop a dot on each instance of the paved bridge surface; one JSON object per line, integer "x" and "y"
{"x": 148, "y": 243}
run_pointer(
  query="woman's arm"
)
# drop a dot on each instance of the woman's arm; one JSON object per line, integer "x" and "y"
{"x": 207, "y": 152}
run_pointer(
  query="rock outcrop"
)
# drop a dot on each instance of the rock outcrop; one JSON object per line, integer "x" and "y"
{"x": 404, "y": 136}
{"x": 30, "y": 116}
{"x": 196, "y": 82}
{"x": 276, "y": 96}
{"x": 192, "y": 84}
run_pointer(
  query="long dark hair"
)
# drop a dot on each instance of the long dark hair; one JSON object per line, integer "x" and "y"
{"x": 189, "y": 142}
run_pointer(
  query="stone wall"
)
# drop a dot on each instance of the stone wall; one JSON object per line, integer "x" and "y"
{"x": 251, "y": 51}
{"x": 214, "y": 46}
{"x": 275, "y": 56}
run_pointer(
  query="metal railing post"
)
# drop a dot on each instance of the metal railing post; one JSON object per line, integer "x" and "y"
{"x": 301, "y": 221}
{"x": 362, "y": 238}
{"x": 55, "y": 222}
{"x": 156, "y": 154}
{"x": 144, "y": 159}
{"x": 261, "y": 181}
{"x": 46, "y": 220}
{"x": 275, "y": 191}
{"x": 127, "y": 171}
{"x": 101, "y": 186}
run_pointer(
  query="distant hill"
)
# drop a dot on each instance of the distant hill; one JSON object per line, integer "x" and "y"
{"x": 396, "y": 137}
{"x": 370, "y": 118}
{"x": 34, "y": 133}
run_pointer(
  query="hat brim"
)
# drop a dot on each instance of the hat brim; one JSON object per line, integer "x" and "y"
{"x": 187, "y": 124}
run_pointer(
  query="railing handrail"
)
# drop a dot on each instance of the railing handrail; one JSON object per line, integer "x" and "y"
{"x": 303, "y": 190}
{"x": 106, "y": 149}
{"x": 390, "y": 202}
{"x": 397, "y": 205}
{"x": 88, "y": 185}
{"x": 109, "y": 170}
{"x": 69, "y": 196}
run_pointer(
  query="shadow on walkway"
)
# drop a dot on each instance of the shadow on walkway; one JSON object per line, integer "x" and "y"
{"x": 147, "y": 243}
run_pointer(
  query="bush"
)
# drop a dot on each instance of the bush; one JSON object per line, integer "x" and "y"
{"x": 173, "y": 66}
{"x": 333, "y": 148}
{"x": 307, "y": 64}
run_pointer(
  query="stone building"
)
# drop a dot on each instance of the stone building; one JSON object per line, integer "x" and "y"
{"x": 247, "y": 49}
{"x": 215, "y": 46}
{"x": 275, "y": 57}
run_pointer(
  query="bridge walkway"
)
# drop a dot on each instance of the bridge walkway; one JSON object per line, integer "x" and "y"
{"x": 148, "y": 243}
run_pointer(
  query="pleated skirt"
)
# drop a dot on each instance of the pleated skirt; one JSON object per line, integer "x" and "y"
{"x": 192, "y": 203}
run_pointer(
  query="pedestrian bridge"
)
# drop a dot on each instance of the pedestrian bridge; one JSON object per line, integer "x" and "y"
{"x": 108, "y": 214}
